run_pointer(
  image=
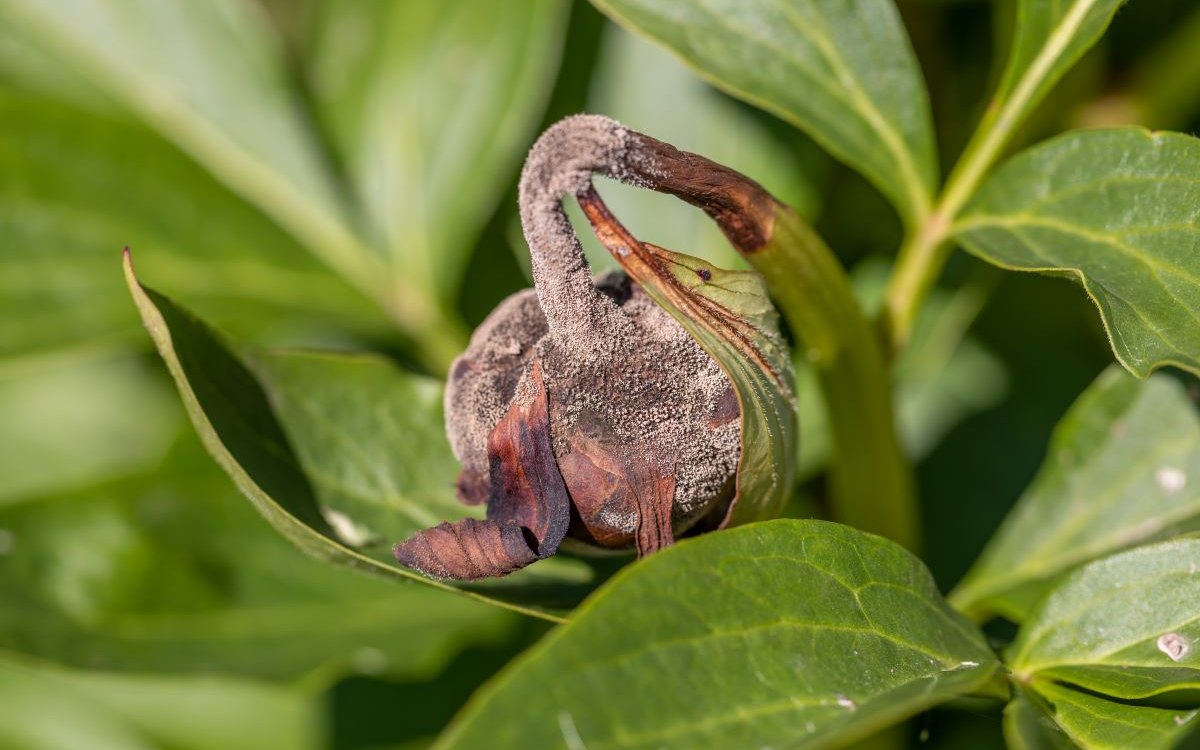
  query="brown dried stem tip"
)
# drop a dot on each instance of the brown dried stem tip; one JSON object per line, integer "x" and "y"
{"x": 581, "y": 409}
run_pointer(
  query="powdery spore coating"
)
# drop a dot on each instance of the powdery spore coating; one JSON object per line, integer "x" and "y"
{"x": 484, "y": 378}
{"x": 658, "y": 390}
{"x": 661, "y": 391}
{"x": 562, "y": 163}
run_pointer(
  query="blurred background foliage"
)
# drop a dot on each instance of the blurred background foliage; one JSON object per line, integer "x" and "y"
{"x": 341, "y": 175}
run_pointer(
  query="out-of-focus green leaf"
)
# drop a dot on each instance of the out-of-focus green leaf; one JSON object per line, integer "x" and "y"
{"x": 241, "y": 429}
{"x": 1094, "y": 723}
{"x": 48, "y": 708}
{"x": 171, "y": 572}
{"x": 370, "y": 439}
{"x": 645, "y": 88}
{"x": 1127, "y": 626}
{"x": 1049, "y": 37}
{"x": 431, "y": 105}
{"x": 941, "y": 378}
{"x": 842, "y": 71}
{"x": 76, "y": 186}
{"x": 211, "y": 77}
{"x": 1122, "y": 470}
{"x": 1163, "y": 82}
{"x": 79, "y": 417}
{"x": 1117, "y": 210}
{"x": 778, "y": 634}
{"x": 1027, "y": 727}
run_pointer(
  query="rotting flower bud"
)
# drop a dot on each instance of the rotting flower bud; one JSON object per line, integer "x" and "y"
{"x": 582, "y": 409}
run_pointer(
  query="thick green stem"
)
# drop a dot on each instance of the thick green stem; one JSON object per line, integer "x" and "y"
{"x": 872, "y": 487}
{"x": 924, "y": 255}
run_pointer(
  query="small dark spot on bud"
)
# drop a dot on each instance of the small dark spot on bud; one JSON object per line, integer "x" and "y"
{"x": 461, "y": 368}
{"x": 704, "y": 274}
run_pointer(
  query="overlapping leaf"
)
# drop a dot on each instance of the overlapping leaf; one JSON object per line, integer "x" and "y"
{"x": 170, "y": 572}
{"x": 327, "y": 507}
{"x": 1050, "y": 37}
{"x": 1028, "y": 727}
{"x": 431, "y": 106}
{"x": 1127, "y": 626}
{"x": 1123, "y": 469}
{"x": 1117, "y": 210}
{"x": 842, "y": 71}
{"x": 1093, "y": 723}
{"x": 210, "y": 77}
{"x": 47, "y": 708}
{"x": 76, "y": 186}
{"x": 777, "y": 634}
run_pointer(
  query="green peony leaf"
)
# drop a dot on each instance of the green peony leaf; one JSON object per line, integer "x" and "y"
{"x": 1117, "y": 210}
{"x": 1028, "y": 727}
{"x": 210, "y": 77}
{"x": 777, "y": 634}
{"x": 244, "y": 427}
{"x": 1049, "y": 38}
{"x": 1122, "y": 470}
{"x": 48, "y": 708}
{"x": 75, "y": 186}
{"x": 1093, "y": 723}
{"x": 430, "y": 106}
{"x": 171, "y": 572}
{"x": 1127, "y": 626}
{"x": 842, "y": 71}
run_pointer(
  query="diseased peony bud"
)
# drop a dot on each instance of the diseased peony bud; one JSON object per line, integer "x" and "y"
{"x": 582, "y": 409}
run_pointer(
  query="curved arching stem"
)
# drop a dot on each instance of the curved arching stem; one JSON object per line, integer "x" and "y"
{"x": 561, "y": 164}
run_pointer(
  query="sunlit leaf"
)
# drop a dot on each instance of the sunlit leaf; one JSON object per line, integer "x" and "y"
{"x": 210, "y": 77}
{"x": 1123, "y": 469}
{"x": 171, "y": 572}
{"x": 76, "y": 186}
{"x": 1094, "y": 723}
{"x": 1117, "y": 210}
{"x": 1049, "y": 37}
{"x": 842, "y": 71}
{"x": 777, "y": 634}
{"x": 1127, "y": 626}
{"x": 240, "y": 424}
{"x": 48, "y": 708}
{"x": 431, "y": 105}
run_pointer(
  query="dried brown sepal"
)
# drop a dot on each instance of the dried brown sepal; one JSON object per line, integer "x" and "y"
{"x": 529, "y": 509}
{"x": 743, "y": 209}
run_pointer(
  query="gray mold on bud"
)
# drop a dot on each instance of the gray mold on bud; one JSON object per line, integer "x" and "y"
{"x": 642, "y": 423}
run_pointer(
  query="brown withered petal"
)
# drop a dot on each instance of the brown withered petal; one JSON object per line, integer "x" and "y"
{"x": 528, "y": 506}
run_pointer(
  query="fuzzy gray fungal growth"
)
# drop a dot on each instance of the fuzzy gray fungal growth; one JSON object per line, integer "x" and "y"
{"x": 643, "y": 424}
